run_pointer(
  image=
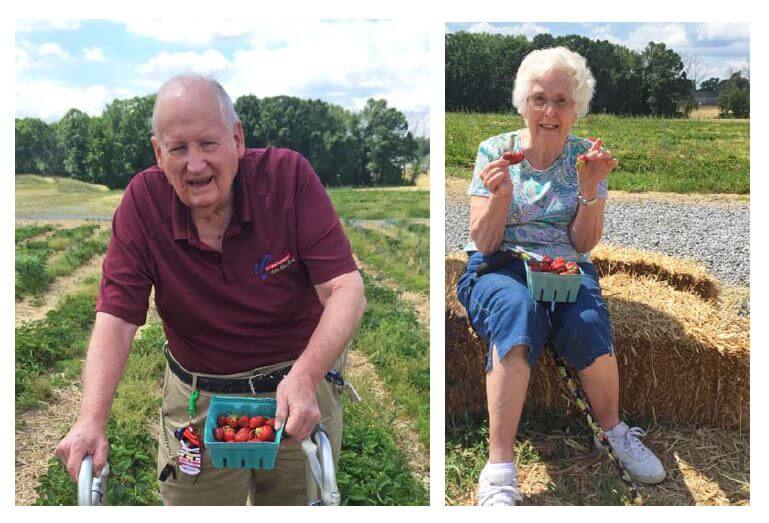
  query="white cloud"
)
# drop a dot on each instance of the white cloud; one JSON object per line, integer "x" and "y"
{"x": 528, "y": 30}
{"x": 722, "y": 32}
{"x": 604, "y": 32}
{"x": 194, "y": 31}
{"x": 337, "y": 62}
{"x": 52, "y": 49}
{"x": 164, "y": 65}
{"x": 50, "y": 100}
{"x": 26, "y": 26}
{"x": 672, "y": 35}
{"x": 94, "y": 54}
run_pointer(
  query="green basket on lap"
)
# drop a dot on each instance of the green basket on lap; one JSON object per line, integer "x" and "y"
{"x": 546, "y": 286}
{"x": 261, "y": 455}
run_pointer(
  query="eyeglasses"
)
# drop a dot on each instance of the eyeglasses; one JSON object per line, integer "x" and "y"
{"x": 539, "y": 102}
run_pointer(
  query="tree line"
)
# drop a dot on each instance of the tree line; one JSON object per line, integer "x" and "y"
{"x": 481, "y": 68}
{"x": 367, "y": 148}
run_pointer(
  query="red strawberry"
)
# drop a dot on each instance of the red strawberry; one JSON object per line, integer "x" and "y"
{"x": 547, "y": 259}
{"x": 266, "y": 434}
{"x": 592, "y": 138}
{"x": 219, "y": 434}
{"x": 513, "y": 157}
{"x": 221, "y": 421}
{"x": 229, "y": 435}
{"x": 257, "y": 421}
{"x": 270, "y": 422}
{"x": 243, "y": 422}
{"x": 558, "y": 265}
{"x": 232, "y": 421}
{"x": 242, "y": 435}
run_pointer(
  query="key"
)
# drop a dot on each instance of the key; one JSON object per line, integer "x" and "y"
{"x": 351, "y": 392}
{"x": 168, "y": 470}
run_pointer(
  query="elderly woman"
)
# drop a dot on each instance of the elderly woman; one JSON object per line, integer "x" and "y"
{"x": 549, "y": 206}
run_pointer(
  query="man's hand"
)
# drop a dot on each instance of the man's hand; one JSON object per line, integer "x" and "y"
{"x": 83, "y": 438}
{"x": 297, "y": 406}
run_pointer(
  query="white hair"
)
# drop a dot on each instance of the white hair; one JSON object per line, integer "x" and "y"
{"x": 226, "y": 109}
{"x": 538, "y": 64}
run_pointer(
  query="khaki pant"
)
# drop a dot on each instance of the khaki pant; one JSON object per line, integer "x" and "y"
{"x": 286, "y": 484}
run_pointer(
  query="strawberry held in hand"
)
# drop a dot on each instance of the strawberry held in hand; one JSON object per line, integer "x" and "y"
{"x": 514, "y": 157}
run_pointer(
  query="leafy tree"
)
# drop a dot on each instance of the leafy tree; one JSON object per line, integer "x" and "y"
{"x": 72, "y": 137}
{"x": 734, "y": 97}
{"x": 664, "y": 80}
{"x": 388, "y": 145}
{"x": 247, "y": 108}
{"x": 36, "y": 148}
{"x": 127, "y": 133}
{"x": 711, "y": 84}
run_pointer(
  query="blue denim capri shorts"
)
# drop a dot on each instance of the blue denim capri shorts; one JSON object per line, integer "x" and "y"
{"x": 504, "y": 314}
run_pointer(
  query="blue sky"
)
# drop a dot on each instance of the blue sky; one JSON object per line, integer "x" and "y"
{"x": 86, "y": 64}
{"x": 715, "y": 48}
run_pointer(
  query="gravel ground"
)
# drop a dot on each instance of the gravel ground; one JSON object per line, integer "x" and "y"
{"x": 716, "y": 234}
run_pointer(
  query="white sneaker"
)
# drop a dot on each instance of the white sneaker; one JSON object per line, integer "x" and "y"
{"x": 498, "y": 489}
{"x": 640, "y": 462}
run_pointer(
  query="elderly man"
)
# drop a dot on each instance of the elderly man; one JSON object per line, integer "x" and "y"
{"x": 254, "y": 281}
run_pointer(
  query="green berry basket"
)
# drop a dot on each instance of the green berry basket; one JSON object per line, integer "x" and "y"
{"x": 546, "y": 286}
{"x": 226, "y": 454}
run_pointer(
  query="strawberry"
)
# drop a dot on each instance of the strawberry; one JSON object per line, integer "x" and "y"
{"x": 513, "y": 157}
{"x": 243, "y": 422}
{"x": 547, "y": 259}
{"x": 221, "y": 421}
{"x": 242, "y": 435}
{"x": 592, "y": 139}
{"x": 229, "y": 435}
{"x": 270, "y": 422}
{"x": 257, "y": 421}
{"x": 219, "y": 434}
{"x": 267, "y": 434}
{"x": 232, "y": 421}
{"x": 558, "y": 265}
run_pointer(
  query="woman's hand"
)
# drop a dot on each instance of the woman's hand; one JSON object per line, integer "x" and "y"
{"x": 496, "y": 178}
{"x": 594, "y": 169}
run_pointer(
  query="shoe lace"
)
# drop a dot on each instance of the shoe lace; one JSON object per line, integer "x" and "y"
{"x": 633, "y": 444}
{"x": 502, "y": 494}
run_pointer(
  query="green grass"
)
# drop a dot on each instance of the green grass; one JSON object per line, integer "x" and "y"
{"x": 372, "y": 468}
{"x": 130, "y": 431}
{"x": 63, "y": 197}
{"x": 61, "y": 336}
{"x": 655, "y": 154}
{"x": 35, "y": 267}
{"x": 392, "y": 339}
{"x": 378, "y": 204}
{"x": 26, "y": 232}
{"x": 402, "y": 256}
{"x": 567, "y": 439}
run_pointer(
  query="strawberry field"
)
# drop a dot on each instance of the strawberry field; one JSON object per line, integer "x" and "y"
{"x": 59, "y": 248}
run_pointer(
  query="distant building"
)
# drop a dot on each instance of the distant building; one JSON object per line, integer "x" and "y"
{"x": 705, "y": 97}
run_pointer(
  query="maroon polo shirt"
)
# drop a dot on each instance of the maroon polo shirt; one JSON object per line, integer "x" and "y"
{"x": 254, "y": 303}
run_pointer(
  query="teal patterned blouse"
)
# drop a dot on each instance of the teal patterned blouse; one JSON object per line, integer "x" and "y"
{"x": 544, "y": 202}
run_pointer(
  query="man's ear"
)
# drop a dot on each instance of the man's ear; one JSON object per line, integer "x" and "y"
{"x": 240, "y": 140}
{"x": 158, "y": 154}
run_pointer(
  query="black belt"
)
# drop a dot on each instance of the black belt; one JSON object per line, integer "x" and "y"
{"x": 257, "y": 383}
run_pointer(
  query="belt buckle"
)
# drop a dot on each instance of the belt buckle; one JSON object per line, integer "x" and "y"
{"x": 257, "y": 376}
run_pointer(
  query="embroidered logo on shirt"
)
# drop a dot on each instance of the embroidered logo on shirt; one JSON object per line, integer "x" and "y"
{"x": 266, "y": 267}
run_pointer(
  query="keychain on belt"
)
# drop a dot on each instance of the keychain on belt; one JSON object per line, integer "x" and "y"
{"x": 188, "y": 459}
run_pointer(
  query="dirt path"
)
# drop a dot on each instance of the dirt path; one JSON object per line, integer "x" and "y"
{"x": 419, "y": 302}
{"x": 33, "y": 309}
{"x": 362, "y": 371}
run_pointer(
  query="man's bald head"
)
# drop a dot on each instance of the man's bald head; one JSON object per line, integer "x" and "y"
{"x": 198, "y": 86}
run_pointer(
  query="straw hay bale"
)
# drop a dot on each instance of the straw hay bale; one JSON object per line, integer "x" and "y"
{"x": 681, "y": 358}
{"x": 683, "y": 275}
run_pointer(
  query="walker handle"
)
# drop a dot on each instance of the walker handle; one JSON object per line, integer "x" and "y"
{"x": 91, "y": 491}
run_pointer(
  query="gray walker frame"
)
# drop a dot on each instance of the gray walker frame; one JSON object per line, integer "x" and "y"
{"x": 322, "y": 488}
